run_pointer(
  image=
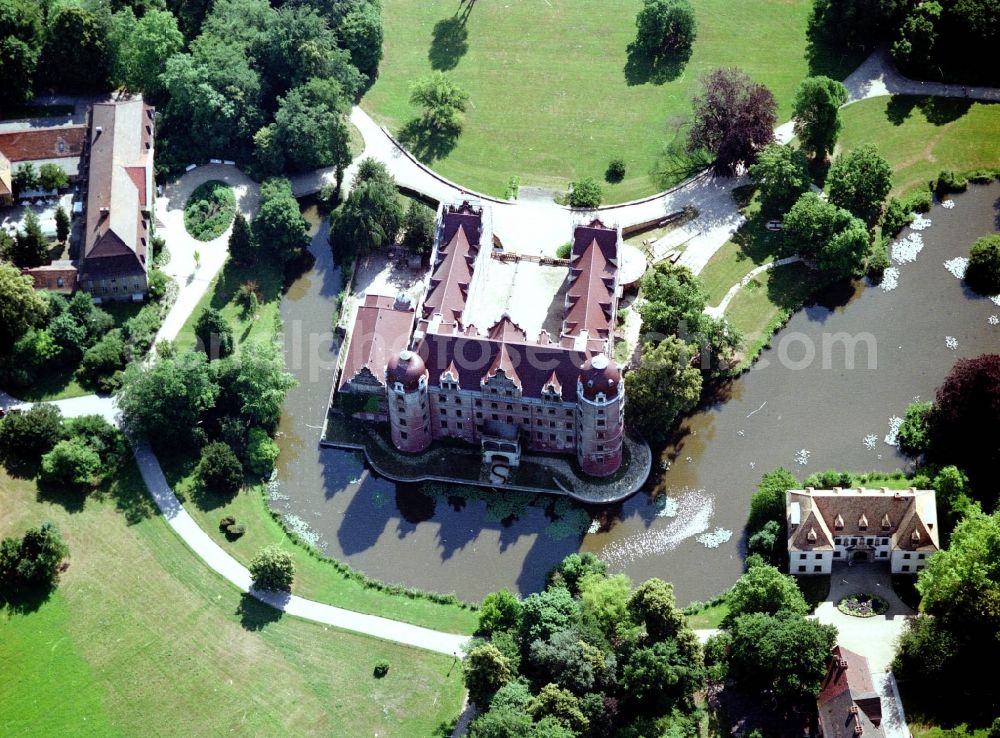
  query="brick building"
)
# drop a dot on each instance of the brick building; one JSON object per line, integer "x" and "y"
{"x": 496, "y": 386}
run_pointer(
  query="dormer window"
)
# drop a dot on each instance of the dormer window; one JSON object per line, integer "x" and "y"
{"x": 811, "y": 536}
{"x": 915, "y": 536}
{"x": 838, "y": 523}
{"x": 886, "y": 523}
{"x": 863, "y": 522}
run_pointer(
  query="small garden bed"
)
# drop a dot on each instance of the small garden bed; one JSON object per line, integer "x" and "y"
{"x": 863, "y": 605}
{"x": 209, "y": 210}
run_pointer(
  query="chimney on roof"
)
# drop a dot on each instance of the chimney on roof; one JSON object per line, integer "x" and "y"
{"x": 885, "y": 490}
{"x": 98, "y": 130}
{"x": 836, "y": 490}
{"x": 861, "y": 490}
{"x": 809, "y": 489}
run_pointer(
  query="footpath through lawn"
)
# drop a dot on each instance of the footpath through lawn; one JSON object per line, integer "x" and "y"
{"x": 141, "y": 636}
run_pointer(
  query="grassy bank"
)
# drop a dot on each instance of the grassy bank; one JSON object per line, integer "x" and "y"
{"x": 142, "y": 636}
{"x": 921, "y": 136}
{"x": 317, "y": 577}
{"x": 552, "y": 96}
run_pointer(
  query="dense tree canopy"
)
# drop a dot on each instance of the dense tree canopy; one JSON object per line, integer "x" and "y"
{"x": 141, "y": 47}
{"x": 830, "y": 235}
{"x": 785, "y": 655}
{"x": 766, "y": 590}
{"x": 166, "y": 399}
{"x": 661, "y": 388}
{"x": 214, "y": 335}
{"x": 279, "y": 228}
{"x": 20, "y": 46}
{"x": 966, "y": 402}
{"x": 442, "y": 100}
{"x": 733, "y": 118}
{"x": 20, "y": 306}
{"x": 983, "y": 272}
{"x": 781, "y": 175}
{"x": 76, "y": 56}
{"x": 817, "y": 114}
{"x": 372, "y": 215}
{"x": 860, "y": 182}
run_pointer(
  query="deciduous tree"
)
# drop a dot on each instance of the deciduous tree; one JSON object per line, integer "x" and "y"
{"x": 442, "y": 100}
{"x": 20, "y": 306}
{"x": 817, "y": 114}
{"x": 781, "y": 175}
{"x": 663, "y": 387}
{"x": 272, "y": 570}
{"x": 860, "y": 182}
{"x": 764, "y": 589}
{"x": 733, "y": 118}
{"x": 279, "y": 228}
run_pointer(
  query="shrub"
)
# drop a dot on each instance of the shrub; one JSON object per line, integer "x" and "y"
{"x": 585, "y": 193}
{"x": 226, "y": 522}
{"x": 140, "y": 330}
{"x": 219, "y": 470}
{"x": 101, "y": 362}
{"x": 157, "y": 282}
{"x": 261, "y": 452}
{"x": 948, "y": 181}
{"x": 896, "y": 217}
{"x": 215, "y": 336}
{"x": 983, "y": 273}
{"x": 272, "y": 569}
{"x": 878, "y": 260}
{"x": 913, "y": 434}
{"x": 381, "y": 668}
{"x": 99, "y": 434}
{"x": 615, "y": 171}
{"x": 920, "y": 201}
{"x": 513, "y": 188}
{"x": 234, "y": 531}
{"x": 563, "y": 252}
{"x": 52, "y": 177}
{"x": 25, "y": 435}
{"x": 31, "y": 561}
{"x": 71, "y": 463}
{"x": 209, "y": 210}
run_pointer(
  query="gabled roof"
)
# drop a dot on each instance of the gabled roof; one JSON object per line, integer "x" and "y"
{"x": 381, "y": 330}
{"x": 864, "y": 512}
{"x": 847, "y": 700}
{"x": 118, "y": 189}
{"x": 32, "y": 144}
{"x": 590, "y": 299}
{"x": 502, "y": 362}
{"x": 452, "y": 273}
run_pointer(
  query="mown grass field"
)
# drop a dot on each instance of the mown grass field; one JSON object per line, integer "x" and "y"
{"x": 549, "y": 98}
{"x": 921, "y": 136}
{"x": 315, "y": 577}
{"x": 141, "y": 638}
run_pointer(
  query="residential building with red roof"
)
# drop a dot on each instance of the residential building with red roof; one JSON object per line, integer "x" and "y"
{"x": 848, "y": 705}
{"x": 119, "y": 200}
{"x": 496, "y": 385}
{"x": 828, "y": 525}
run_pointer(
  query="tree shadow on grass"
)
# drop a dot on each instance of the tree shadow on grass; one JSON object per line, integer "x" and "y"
{"x": 29, "y": 599}
{"x": 256, "y": 615}
{"x": 426, "y": 143}
{"x": 450, "y": 43}
{"x": 675, "y": 163}
{"x": 644, "y": 67}
{"x": 71, "y": 500}
{"x": 828, "y": 58}
{"x": 937, "y": 110}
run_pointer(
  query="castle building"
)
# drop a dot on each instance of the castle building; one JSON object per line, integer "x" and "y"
{"x": 827, "y": 525}
{"x": 496, "y": 386}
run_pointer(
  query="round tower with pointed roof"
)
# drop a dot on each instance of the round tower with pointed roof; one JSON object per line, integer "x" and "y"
{"x": 600, "y": 402}
{"x": 406, "y": 390}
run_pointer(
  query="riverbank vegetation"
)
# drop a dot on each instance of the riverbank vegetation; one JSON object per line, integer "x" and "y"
{"x": 532, "y": 110}
{"x": 164, "y": 641}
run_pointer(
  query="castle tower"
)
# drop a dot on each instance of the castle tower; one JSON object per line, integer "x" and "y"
{"x": 600, "y": 412}
{"x": 406, "y": 390}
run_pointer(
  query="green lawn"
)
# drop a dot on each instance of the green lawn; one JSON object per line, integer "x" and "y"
{"x": 921, "y": 136}
{"x": 767, "y": 296}
{"x": 710, "y": 617}
{"x": 727, "y": 267}
{"x": 549, "y": 99}
{"x": 316, "y": 577}
{"x": 223, "y": 295}
{"x": 142, "y": 638}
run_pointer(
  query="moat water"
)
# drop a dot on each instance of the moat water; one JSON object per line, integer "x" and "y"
{"x": 806, "y": 414}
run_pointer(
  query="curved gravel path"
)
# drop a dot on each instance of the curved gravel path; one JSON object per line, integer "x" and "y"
{"x": 720, "y": 309}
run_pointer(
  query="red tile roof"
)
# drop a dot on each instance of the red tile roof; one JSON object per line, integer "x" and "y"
{"x": 847, "y": 700}
{"x": 43, "y": 143}
{"x": 455, "y": 261}
{"x": 120, "y": 166}
{"x": 381, "y": 330}
{"x": 591, "y": 298}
